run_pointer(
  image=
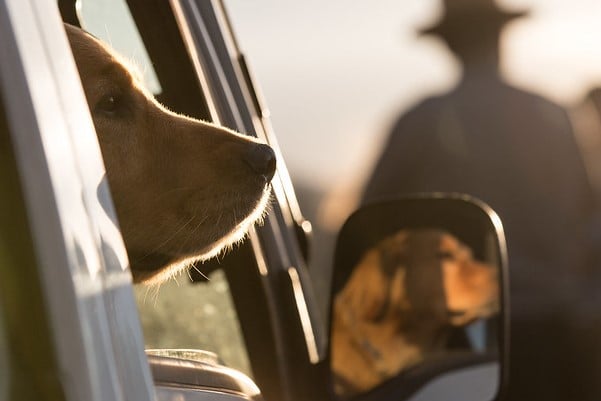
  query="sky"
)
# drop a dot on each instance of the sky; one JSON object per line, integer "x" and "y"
{"x": 335, "y": 74}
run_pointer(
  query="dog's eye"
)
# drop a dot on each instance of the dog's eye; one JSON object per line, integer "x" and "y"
{"x": 109, "y": 104}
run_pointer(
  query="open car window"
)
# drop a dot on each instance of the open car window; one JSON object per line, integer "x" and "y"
{"x": 111, "y": 21}
{"x": 184, "y": 315}
{"x": 178, "y": 314}
{"x": 263, "y": 281}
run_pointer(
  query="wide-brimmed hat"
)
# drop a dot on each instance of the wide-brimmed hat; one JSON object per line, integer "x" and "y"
{"x": 460, "y": 15}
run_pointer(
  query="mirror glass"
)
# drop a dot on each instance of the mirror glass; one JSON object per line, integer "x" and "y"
{"x": 416, "y": 307}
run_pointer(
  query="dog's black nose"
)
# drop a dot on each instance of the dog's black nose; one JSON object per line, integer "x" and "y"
{"x": 261, "y": 158}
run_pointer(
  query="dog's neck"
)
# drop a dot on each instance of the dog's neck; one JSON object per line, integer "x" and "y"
{"x": 407, "y": 337}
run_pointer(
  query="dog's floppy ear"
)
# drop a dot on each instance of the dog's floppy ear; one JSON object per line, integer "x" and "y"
{"x": 424, "y": 283}
{"x": 392, "y": 260}
{"x": 393, "y": 253}
{"x": 365, "y": 294}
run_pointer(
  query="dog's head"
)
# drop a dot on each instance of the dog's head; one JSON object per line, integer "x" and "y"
{"x": 420, "y": 278}
{"x": 400, "y": 300}
{"x": 437, "y": 278}
{"x": 183, "y": 189}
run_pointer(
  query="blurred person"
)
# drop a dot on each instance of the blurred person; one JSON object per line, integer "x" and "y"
{"x": 515, "y": 151}
{"x": 586, "y": 118}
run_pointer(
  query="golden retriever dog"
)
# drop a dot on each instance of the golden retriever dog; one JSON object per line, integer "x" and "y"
{"x": 400, "y": 302}
{"x": 184, "y": 190}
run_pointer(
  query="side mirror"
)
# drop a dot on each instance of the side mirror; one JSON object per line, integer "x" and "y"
{"x": 417, "y": 310}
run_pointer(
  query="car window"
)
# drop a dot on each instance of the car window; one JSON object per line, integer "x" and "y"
{"x": 177, "y": 314}
{"x": 111, "y": 21}
{"x": 182, "y": 314}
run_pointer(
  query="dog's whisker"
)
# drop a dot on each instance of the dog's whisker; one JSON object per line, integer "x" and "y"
{"x": 219, "y": 219}
{"x": 145, "y": 295}
{"x": 157, "y": 288}
{"x": 158, "y": 247}
{"x": 191, "y": 235}
{"x": 193, "y": 265}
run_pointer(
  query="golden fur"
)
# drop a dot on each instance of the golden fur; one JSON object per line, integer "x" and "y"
{"x": 183, "y": 189}
{"x": 390, "y": 314}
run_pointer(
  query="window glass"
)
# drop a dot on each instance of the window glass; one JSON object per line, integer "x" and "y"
{"x": 111, "y": 21}
{"x": 177, "y": 314}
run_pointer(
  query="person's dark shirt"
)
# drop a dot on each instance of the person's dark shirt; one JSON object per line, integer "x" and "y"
{"x": 516, "y": 152}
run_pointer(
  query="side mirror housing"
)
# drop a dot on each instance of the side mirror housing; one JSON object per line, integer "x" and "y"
{"x": 418, "y": 309}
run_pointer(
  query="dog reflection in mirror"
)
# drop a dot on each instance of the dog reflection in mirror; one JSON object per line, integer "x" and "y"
{"x": 401, "y": 301}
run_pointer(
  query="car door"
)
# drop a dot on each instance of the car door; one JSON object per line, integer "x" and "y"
{"x": 67, "y": 306}
{"x": 75, "y": 258}
{"x": 201, "y": 73}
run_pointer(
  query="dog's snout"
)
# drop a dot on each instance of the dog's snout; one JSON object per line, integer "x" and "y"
{"x": 261, "y": 159}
